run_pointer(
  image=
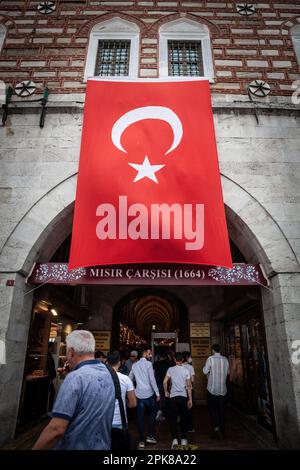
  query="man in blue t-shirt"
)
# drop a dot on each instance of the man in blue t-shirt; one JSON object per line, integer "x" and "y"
{"x": 83, "y": 411}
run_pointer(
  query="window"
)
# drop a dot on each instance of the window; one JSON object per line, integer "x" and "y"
{"x": 185, "y": 50}
{"x": 185, "y": 58}
{"x": 296, "y": 40}
{"x": 113, "y": 49}
{"x": 2, "y": 35}
{"x": 112, "y": 58}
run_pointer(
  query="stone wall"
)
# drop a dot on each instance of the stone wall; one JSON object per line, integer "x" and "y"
{"x": 51, "y": 49}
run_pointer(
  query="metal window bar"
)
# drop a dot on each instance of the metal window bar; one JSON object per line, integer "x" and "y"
{"x": 112, "y": 58}
{"x": 185, "y": 58}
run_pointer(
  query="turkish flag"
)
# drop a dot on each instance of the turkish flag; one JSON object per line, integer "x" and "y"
{"x": 149, "y": 187}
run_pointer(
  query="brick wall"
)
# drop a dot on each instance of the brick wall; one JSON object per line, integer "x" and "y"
{"x": 51, "y": 49}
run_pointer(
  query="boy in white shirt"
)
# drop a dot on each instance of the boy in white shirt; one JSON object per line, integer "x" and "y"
{"x": 127, "y": 391}
{"x": 180, "y": 398}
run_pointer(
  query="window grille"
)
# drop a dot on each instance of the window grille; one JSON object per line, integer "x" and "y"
{"x": 112, "y": 58}
{"x": 185, "y": 58}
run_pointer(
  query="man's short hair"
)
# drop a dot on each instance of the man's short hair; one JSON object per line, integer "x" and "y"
{"x": 81, "y": 341}
{"x": 216, "y": 347}
{"x": 99, "y": 354}
{"x": 178, "y": 357}
{"x": 144, "y": 350}
{"x": 186, "y": 355}
{"x": 113, "y": 358}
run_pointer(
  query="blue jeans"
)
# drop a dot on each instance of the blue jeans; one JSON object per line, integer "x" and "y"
{"x": 150, "y": 405}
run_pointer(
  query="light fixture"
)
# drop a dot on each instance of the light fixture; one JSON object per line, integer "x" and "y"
{"x": 54, "y": 312}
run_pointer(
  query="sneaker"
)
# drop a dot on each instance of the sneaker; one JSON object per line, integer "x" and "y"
{"x": 191, "y": 430}
{"x": 141, "y": 446}
{"x": 184, "y": 442}
{"x": 151, "y": 440}
{"x": 174, "y": 444}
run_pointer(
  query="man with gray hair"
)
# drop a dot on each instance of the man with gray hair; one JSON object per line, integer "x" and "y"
{"x": 83, "y": 411}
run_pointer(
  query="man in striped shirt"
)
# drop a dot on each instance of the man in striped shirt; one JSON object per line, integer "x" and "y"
{"x": 217, "y": 370}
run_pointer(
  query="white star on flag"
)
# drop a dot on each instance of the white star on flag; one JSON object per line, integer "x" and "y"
{"x": 146, "y": 170}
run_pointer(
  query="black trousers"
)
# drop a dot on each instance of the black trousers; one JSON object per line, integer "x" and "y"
{"x": 216, "y": 408}
{"x": 190, "y": 423}
{"x": 178, "y": 409}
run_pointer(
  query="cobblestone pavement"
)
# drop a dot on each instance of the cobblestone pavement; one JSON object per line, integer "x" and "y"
{"x": 237, "y": 436}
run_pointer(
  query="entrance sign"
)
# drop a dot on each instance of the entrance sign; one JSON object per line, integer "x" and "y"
{"x": 200, "y": 330}
{"x": 58, "y": 273}
{"x": 149, "y": 187}
{"x": 200, "y": 347}
{"x": 102, "y": 340}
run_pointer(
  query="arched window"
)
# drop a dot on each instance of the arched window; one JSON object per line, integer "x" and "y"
{"x": 113, "y": 49}
{"x": 295, "y": 31}
{"x": 185, "y": 50}
{"x": 2, "y": 35}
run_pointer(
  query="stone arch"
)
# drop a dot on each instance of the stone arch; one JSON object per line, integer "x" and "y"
{"x": 86, "y": 28}
{"x": 8, "y": 22}
{"x": 35, "y": 237}
{"x": 288, "y": 24}
{"x": 214, "y": 29}
{"x": 48, "y": 221}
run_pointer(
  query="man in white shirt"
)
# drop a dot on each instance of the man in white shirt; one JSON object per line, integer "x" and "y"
{"x": 217, "y": 370}
{"x": 180, "y": 398}
{"x": 147, "y": 394}
{"x": 127, "y": 391}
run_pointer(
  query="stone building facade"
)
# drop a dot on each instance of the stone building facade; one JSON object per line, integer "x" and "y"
{"x": 258, "y": 143}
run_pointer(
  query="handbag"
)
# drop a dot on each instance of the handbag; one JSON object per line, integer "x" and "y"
{"x": 120, "y": 438}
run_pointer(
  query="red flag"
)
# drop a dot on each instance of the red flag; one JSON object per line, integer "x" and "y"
{"x": 149, "y": 187}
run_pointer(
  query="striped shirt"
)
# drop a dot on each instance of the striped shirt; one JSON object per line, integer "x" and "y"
{"x": 216, "y": 368}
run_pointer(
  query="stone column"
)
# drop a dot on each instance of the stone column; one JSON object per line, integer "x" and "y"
{"x": 15, "y": 312}
{"x": 282, "y": 323}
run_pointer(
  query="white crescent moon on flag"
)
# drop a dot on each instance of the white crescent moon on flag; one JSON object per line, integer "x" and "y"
{"x": 147, "y": 112}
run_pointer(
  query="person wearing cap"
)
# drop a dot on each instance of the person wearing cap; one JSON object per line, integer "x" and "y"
{"x": 129, "y": 363}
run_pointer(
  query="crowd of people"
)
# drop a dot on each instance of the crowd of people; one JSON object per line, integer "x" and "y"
{"x": 90, "y": 410}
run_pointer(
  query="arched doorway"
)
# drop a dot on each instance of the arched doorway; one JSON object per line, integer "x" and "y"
{"x": 144, "y": 312}
{"x": 29, "y": 243}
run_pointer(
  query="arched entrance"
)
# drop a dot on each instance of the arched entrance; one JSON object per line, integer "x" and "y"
{"x": 30, "y": 242}
{"x": 146, "y": 311}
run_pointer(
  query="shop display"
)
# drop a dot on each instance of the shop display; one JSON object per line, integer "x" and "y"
{"x": 129, "y": 339}
{"x": 249, "y": 384}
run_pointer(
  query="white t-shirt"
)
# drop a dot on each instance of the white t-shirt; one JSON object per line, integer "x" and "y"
{"x": 126, "y": 386}
{"x": 178, "y": 375}
{"x": 189, "y": 368}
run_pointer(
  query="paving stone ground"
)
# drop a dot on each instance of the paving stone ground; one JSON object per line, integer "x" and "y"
{"x": 237, "y": 437}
